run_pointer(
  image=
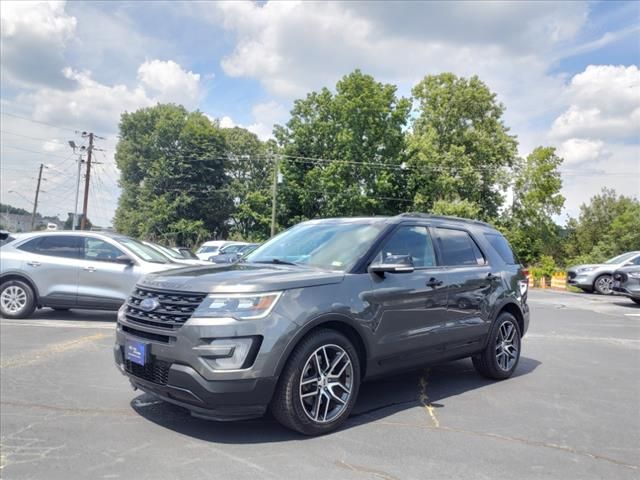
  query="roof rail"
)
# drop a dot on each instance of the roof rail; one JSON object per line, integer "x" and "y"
{"x": 444, "y": 217}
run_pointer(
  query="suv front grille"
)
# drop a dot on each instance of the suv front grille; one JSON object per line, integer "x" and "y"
{"x": 156, "y": 371}
{"x": 174, "y": 308}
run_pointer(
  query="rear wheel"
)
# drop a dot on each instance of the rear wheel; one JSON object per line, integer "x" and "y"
{"x": 500, "y": 358}
{"x": 603, "y": 284}
{"x": 319, "y": 385}
{"x": 17, "y": 299}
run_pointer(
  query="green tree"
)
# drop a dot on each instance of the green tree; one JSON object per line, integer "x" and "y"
{"x": 459, "y": 147}
{"x": 607, "y": 226}
{"x": 174, "y": 185}
{"x": 250, "y": 170}
{"x": 343, "y": 151}
{"x": 537, "y": 199}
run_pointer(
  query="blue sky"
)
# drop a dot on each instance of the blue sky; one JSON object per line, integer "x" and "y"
{"x": 567, "y": 73}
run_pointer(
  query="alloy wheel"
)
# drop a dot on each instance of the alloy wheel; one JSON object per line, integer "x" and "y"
{"x": 507, "y": 344}
{"x": 604, "y": 284}
{"x": 326, "y": 383}
{"x": 13, "y": 299}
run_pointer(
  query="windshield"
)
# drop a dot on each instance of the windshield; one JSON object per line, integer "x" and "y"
{"x": 207, "y": 249}
{"x": 145, "y": 252}
{"x": 168, "y": 252}
{"x": 330, "y": 246}
{"x": 231, "y": 248}
{"x": 621, "y": 258}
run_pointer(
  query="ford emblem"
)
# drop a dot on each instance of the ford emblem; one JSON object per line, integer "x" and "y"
{"x": 149, "y": 304}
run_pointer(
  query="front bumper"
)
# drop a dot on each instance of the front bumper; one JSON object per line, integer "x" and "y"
{"x": 581, "y": 280}
{"x": 631, "y": 289}
{"x": 221, "y": 400}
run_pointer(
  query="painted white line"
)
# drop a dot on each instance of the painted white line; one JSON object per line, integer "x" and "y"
{"x": 59, "y": 324}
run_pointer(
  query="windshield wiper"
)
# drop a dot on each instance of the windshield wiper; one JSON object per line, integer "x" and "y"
{"x": 277, "y": 261}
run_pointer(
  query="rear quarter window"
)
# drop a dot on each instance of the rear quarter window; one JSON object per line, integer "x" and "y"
{"x": 502, "y": 248}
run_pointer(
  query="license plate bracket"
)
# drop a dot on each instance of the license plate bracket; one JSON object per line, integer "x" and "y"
{"x": 136, "y": 351}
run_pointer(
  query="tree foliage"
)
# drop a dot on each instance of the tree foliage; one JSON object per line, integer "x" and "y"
{"x": 529, "y": 223}
{"x": 459, "y": 147}
{"x": 607, "y": 226}
{"x": 174, "y": 176}
{"x": 343, "y": 151}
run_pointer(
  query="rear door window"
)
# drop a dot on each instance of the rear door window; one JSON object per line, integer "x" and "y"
{"x": 458, "y": 248}
{"x": 65, "y": 246}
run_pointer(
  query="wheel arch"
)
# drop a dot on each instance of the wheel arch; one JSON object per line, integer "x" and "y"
{"x": 515, "y": 310}
{"x": 5, "y": 277}
{"x": 337, "y": 322}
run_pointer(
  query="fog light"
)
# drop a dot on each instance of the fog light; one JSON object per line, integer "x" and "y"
{"x": 239, "y": 349}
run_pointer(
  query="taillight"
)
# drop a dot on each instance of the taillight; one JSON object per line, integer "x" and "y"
{"x": 525, "y": 271}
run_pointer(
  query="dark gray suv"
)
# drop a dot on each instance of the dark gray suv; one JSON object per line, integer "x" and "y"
{"x": 298, "y": 324}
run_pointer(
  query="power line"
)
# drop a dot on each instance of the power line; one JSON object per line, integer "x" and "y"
{"x": 40, "y": 122}
{"x": 4, "y": 145}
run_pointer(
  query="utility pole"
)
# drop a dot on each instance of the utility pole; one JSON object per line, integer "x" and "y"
{"x": 274, "y": 194}
{"x": 86, "y": 183}
{"x": 35, "y": 202}
{"x": 75, "y": 205}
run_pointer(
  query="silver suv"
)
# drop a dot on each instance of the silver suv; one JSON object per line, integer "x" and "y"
{"x": 64, "y": 270}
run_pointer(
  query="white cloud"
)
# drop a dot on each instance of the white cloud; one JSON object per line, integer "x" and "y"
{"x": 265, "y": 116}
{"x": 54, "y": 145}
{"x": 226, "y": 122}
{"x": 580, "y": 150}
{"x": 170, "y": 82}
{"x": 34, "y": 35}
{"x": 604, "y": 102}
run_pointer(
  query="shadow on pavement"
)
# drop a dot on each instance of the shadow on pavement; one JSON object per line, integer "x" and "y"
{"x": 75, "y": 315}
{"x": 377, "y": 399}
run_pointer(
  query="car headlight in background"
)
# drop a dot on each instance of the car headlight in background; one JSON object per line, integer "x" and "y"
{"x": 585, "y": 269}
{"x": 241, "y": 306}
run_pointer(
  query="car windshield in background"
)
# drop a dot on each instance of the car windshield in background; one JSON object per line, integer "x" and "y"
{"x": 329, "y": 246}
{"x": 621, "y": 258}
{"x": 207, "y": 249}
{"x": 168, "y": 252}
{"x": 143, "y": 251}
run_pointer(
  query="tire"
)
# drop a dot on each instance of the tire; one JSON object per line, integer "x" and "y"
{"x": 17, "y": 299}
{"x": 495, "y": 361}
{"x": 637, "y": 300}
{"x": 61, "y": 309}
{"x": 602, "y": 284}
{"x": 306, "y": 415}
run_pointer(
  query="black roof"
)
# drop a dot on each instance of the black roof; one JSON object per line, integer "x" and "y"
{"x": 401, "y": 217}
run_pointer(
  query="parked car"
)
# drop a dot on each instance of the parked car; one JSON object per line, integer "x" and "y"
{"x": 174, "y": 256}
{"x": 599, "y": 277}
{"x": 233, "y": 253}
{"x": 211, "y": 248}
{"x": 64, "y": 270}
{"x": 626, "y": 281}
{"x": 319, "y": 308}
{"x": 185, "y": 252}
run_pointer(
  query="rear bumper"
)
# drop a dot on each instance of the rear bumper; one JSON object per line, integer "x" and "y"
{"x": 221, "y": 400}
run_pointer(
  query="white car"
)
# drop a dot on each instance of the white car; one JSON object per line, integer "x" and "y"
{"x": 212, "y": 248}
{"x": 174, "y": 256}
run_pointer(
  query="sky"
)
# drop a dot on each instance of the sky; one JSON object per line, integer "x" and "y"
{"x": 566, "y": 72}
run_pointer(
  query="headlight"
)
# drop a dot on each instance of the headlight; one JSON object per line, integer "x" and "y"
{"x": 586, "y": 269}
{"x": 634, "y": 274}
{"x": 241, "y": 306}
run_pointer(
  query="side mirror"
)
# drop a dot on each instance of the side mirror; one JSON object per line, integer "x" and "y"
{"x": 393, "y": 264}
{"x": 124, "y": 260}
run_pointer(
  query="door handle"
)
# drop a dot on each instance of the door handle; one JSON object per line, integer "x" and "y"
{"x": 433, "y": 282}
{"x": 90, "y": 269}
{"x": 33, "y": 263}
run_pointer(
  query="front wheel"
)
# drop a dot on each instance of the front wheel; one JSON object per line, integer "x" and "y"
{"x": 500, "y": 358}
{"x": 17, "y": 299}
{"x": 603, "y": 284}
{"x": 319, "y": 385}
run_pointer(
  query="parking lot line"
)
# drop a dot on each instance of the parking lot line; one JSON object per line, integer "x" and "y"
{"x": 58, "y": 324}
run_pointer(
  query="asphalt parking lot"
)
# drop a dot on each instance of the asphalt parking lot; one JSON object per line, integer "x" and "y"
{"x": 571, "y": 411}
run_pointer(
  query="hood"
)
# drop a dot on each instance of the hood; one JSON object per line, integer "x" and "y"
{"x": 240, "y": 278}
{"x": 588, "y": 265}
